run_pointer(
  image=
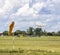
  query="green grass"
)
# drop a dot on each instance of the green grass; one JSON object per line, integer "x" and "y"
{"x": 49, "y": 45}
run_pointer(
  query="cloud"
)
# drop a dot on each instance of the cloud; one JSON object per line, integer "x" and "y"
{"x": 11, "y": 6}
{"x": 1, "y": 3}
{"x": 38, "y": 6}
{"x": 27, "y": 12}
{"x": 55, "y": 27}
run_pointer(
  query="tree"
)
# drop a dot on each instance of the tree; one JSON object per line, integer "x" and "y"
{"x": 17, "y": 32}
{"x": 38, "y": 32}
{"x": 23, "y": 33}
{"x": 49, "y": 34}
{"x": 58, "y": 33}
{"x": 45, "y": 33}
{"x": 5, "y": 33}
{"x": 30, "y": 31}
{"x": 54, "y": 33}
{"x": 0, "y": 34}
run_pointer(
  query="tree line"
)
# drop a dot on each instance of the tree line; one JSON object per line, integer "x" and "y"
{"x": 32, "y": 32}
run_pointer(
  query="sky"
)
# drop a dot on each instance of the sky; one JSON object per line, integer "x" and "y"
{"x": 29, "y": 13}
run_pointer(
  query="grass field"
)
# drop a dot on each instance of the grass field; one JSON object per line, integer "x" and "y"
{"x": 43, "y": 45}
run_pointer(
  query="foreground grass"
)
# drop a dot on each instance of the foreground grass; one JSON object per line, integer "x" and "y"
{"x": 49, "y": 45}
{"x": 27, "y": 52}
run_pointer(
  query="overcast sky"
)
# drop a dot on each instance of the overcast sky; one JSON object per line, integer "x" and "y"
{"x": 26, "y": 13}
